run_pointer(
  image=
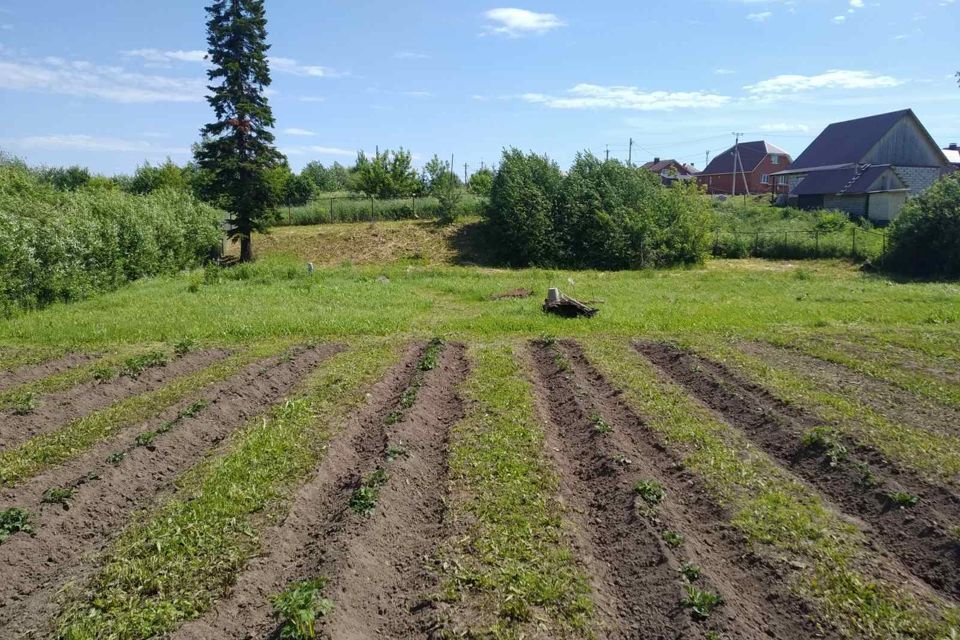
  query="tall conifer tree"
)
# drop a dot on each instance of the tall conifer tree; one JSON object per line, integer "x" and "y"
{"x": 238, "y": 148}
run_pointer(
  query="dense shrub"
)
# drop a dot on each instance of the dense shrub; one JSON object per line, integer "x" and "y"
{"x": 602, "y": 215}
{"x": 335, "y": 208}
{"x": 925, "y": 238}
{"x": 522, "y": 200}
{"x": 57, "y": 245}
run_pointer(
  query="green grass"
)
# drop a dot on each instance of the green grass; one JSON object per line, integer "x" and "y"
{"x": 730, "y": 296}
{"x": 774, "y": 509}
{"x": 174, "y": 564}
{"x": 883, "y": 364}
{"x": 508, "y": 569}
{"x": 934, "y": 455}
{"x": 48, "y": 449}
{"x": 14, "y": 520}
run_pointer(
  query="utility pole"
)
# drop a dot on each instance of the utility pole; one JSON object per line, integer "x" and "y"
{"x": 451, "y": 163}
{"x": 630, "y": 154}
{"x": 464, "y": 173}
{"x": 736, "y": 157}
{"x": 608, "y": 152}
{"x": 706, "y": 160}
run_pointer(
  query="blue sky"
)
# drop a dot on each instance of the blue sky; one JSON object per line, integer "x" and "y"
{"x": 111, "y": 83}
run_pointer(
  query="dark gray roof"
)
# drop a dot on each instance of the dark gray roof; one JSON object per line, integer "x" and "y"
{"x": 847, "y": 142}
{"x": 843, "y": 181}
{"x": 751, "y": 154}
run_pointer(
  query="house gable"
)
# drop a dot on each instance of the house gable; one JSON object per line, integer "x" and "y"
{"x": 908, "y": 144}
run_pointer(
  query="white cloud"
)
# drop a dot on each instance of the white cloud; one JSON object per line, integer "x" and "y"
{"x": 84, "y": 79}
{"x": 519, "y": 22}
{"x": 762, "y": 16}
{"x": 839, "y": 19}
{"x": 317, "y": 150}
{"x": 82, "y": 142}
{"x": 833, "y": 79}
{"x": 312, "y": 99}
{"x": 293, "y": 131}
{"x": 724, "y": 72}
{"x": 591, "y": 96}
{"x": 291, "y": 66}
{"x": 158, "y": 56}
{"x": 785, "y": 127}
{"x": 856, "y": 4}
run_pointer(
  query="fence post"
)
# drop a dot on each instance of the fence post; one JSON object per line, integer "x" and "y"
{"x": 371, "y": 209}
{"x": 331, "y": 210}
{"x": 414, "y": 198}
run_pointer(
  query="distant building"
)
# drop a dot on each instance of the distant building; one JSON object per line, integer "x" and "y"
{"x": 867, "y": 167}
{"x": 670, "y": 170}
{"x": 746, "y": 168}
{"x": 953, "y": 154}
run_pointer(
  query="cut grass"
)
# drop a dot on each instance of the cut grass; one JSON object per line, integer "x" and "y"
{"x": 45, "y": 450}
{"x": 508, "y": 568}
{"x": 174, "y": 564}
{"x": 773, "y": 509}
{"x": 934, "y": 455}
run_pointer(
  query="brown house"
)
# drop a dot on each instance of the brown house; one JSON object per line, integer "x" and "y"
{"x": 746, "y": 168}
{"x": 670, "y": 170}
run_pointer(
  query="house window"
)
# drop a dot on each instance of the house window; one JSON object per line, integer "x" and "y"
{"x": 782, "y": 180}
{"x": 775, "y": 159}
{"x": 765, "y": 179}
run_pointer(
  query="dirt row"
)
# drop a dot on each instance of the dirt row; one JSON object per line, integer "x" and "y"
{"x": 376, "y": 563}
{"x": 58, "y": 409}
{"x": 602, "y": 450}
{"x": 117, "y": 478}
{"x": 22, "y": 375}
{"x": 886, "y": 398}
{"x": 856, "y": 479}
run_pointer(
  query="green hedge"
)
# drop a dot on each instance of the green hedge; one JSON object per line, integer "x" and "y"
{"x": 338, "y": 208}
{"x": 61, "y": 246}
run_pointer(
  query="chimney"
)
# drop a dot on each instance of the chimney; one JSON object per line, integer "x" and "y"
{"x": 656, "y": 160}
{"x": 954, "y": 147}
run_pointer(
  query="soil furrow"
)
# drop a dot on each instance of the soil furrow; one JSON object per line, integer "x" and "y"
{"x": 106, "y": 493}
{"x": 58, "y": 409}
{"x": 608, "y": 450}
{"x": 30, "y": 373}
{"x": 856, "y": 479}
{"x": 382, "y": 578}
{"x": 295, "y": 548}
{"x": 883, "y": 396}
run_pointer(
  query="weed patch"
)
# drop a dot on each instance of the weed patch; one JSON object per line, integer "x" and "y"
{"x": 299, "y": 606}
{"x": 14, "y": 520}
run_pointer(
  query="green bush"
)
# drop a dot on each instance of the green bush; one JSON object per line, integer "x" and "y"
{"x": 522, "y": 201}
{"x": 602, "y": 215}
{"x": 925, "y": 238}
{"x": 60, "y": 246}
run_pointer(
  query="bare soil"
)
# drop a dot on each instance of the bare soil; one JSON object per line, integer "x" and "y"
{"x": 859, "y": 484}
{"x": 29, "y": 373}
{"x": 58, "y": 409}
{"x": 67, "y": 537}
{"x": 636, "y": 574}
{"x": 316, "y": 536}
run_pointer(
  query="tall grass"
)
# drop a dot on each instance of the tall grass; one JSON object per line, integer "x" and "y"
{"x": 61, "y": 246}
{"x": 340, "y": 207}
{"x": 752, "y": 227}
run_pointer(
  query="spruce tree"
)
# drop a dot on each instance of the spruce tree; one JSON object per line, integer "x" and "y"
{"x": 237, "y": 149}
